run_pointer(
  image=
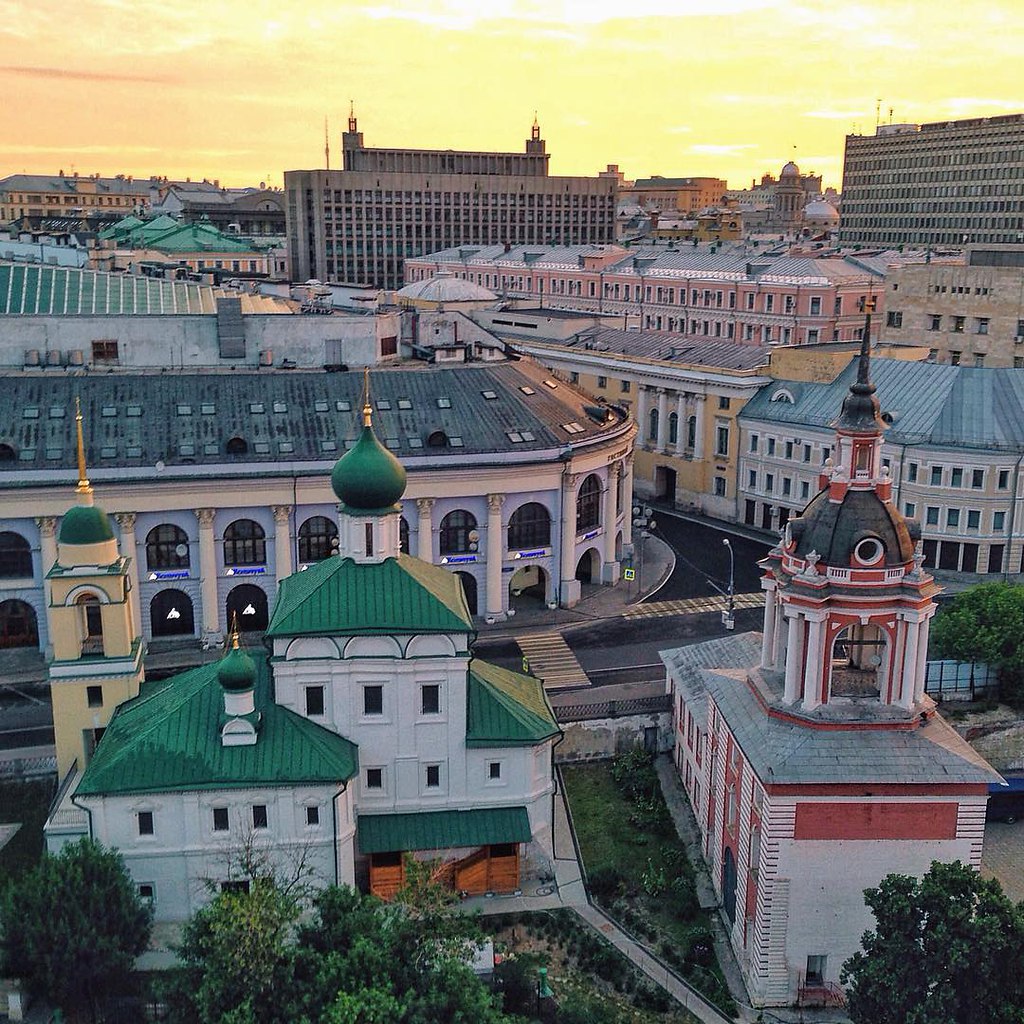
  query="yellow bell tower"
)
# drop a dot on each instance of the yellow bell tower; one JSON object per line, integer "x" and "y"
{"x": 97, "y": 653}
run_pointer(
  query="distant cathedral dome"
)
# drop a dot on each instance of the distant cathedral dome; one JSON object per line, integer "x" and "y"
{"x": 790, "y": 171}
{"x": 445, "y": 288}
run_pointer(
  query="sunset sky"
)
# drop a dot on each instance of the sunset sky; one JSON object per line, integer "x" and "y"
{"x": 238, "y": 89}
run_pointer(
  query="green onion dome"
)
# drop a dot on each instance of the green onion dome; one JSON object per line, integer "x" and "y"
{"x": 85, "y": 524}
{"x": 368, "y": 478}
{"x": 237, "y": 671}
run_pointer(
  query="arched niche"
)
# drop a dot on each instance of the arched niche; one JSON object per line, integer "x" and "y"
{"x": 312, "y": 647}
{"x": 373, "y": 647}
{"x": 430, "y": 647}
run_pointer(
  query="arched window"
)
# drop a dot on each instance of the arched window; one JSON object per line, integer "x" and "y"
{"x": 588, "y": 504}
{"x": 171, "y": 614}
{"x": 167, "y": 548}
{"x": 92, "y": 622}
{"x": 244, "y": 543}
{"x": 15, "y": 556}
{"x": 318, "y": 538}
{"x": 437, "y": 439}
{"x": 237, "y": 446}
{"x": 652, "y": 425}
{"x": 18, "y": 627}
{"x": 7, "y": 453}
{"x": 454, "y": 532}
{"x": 691, "y": 432}
{"x": 403, "y": 535}
{"x": 673, "y": 427}
{"x": 247, "y": 605}
{"x": 529, "y": 527}
{"x": 468, "y": 581}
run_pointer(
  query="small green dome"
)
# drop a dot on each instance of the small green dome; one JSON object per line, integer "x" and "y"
{"x": 368, "y": 478}
{"x": 237, "y": 671}
{"x": 85, "y": 524}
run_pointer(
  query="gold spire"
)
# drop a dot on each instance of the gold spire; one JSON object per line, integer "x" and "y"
{"x": 83, "y": 481}
{"x": 234, "y": 631}
{"x": 367, "y": 408}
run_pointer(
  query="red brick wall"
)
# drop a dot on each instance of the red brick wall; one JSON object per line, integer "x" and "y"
{"x": 876, "y": 821}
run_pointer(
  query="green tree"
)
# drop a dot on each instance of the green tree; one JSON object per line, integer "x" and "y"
{"x": 945, "y": 950}
{"x": 985, "y": 624}
{"x": 72, "y": 928}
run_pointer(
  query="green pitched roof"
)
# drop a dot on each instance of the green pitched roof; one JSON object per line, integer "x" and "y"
{"x": 442, "y": 830}
{"x": 168, "y": 738}
{"x": 338, "y": 597}
{"x": 506, "y": 708}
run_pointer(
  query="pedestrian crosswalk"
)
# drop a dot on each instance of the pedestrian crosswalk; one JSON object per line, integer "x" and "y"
{"x": 692, "y": 606}
{"x": 549, "y": 657}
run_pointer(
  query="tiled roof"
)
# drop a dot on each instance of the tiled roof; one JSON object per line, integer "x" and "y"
{"x": 168, "y": 738}
{"x": 134, "y": 421}
{"x": 338, "y": 597}
{"x": 930, "y": 403}
{"x": 669, "y": 347}
{"x": 442, "y": 830}
{"x": 36, "y": 290}
{"x": 506, "y": 708}
{"x": 782, "y": 751}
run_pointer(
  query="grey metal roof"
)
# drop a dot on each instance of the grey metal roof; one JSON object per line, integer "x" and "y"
{"x": 670, "y": 347}
{"x": 929, "y": 403}
{"x": 70, "y": 183}
{"x": 137, "y": 420}
{"x": 782, "y": 751}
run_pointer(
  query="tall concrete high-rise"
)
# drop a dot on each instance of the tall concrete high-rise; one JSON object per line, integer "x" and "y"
{"x": 947, "y": 183}
{"x": 359, "y": 224}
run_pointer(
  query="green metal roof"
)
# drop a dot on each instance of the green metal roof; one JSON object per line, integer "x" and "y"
{"x": 442, "y": 830}
{"x": 165, "y": 234}
{"x": 506, "y": 708}
{"x": 85, "y": 524}
{"x": 168, "y": 738}
{"x": 338, "y": 597}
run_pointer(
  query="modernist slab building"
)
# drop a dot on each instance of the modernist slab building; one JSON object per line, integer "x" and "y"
{"x": 945, "y": 183}
{"x": 216, "y": 484}
{"x": 358, "y": 225}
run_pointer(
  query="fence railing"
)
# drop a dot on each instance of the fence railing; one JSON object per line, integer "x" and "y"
{"x": 959, "y": 680}
{"x": 655, "y": 705}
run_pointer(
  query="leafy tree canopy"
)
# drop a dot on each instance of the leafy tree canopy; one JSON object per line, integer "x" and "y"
{"x": 72, "y": 928}
{"x": 945, "y": 950}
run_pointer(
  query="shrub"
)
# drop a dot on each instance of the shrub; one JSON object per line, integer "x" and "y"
{"x": 634, "y": 773}
{"x": 682, "y": 899}
{"x": 652, "y": 998}
{"x": 702, "y": 948}
{"x": 606, "y": 883}
{"x": 516, "y": 979}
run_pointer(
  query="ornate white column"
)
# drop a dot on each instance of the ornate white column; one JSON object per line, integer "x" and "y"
{"x": 610, "y": 564}
{"x": 642, "y": 410}
{"x": 627, "y": 503}
{"x": 771, "y": 606}
{"x": 662, "y": 418}
{"x": 495, "y": 559}
{"x": 698, "y": 437}
{"x": 48, "y": 558}
{"x": 569, "y": 587}
{"x": 922, "y": 660}
{"x": 425, "y": 530}
{"x": 791, "y": 694}
{"x": 812, "y": 672}
{"x": 680, "y": 423}
{"x": 126, "y": 520}
{"x": 208, "y": 571}
{"x": 781, "y": 636}
{"x": 282, "y": 541}
{"x": 908, "y": 682}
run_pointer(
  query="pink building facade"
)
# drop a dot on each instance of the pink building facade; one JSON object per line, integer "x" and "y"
{"x": 695, "y": 293}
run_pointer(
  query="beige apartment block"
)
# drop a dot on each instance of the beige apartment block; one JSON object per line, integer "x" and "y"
{"x": 966, "y": 315}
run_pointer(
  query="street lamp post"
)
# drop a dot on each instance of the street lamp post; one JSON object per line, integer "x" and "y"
{"x": 728, "y": 616}
{"x": 645, "y": 524}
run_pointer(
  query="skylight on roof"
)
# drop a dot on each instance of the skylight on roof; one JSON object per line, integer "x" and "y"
{"x": 551, "y": 384}
{"x": 208, "y": 409}
{"x": 414, "y": 442}
{"x": 108, "y": 451}
{"x": 286, "y": 447}
{"x": 133, "y": 451}
{"x": 211, "y": 449}
{"x": 27, "y": 455}
{"x": 321, "y": 406}
{"x": 572, "y": 428}
{"x": 455, "y": 441}
{"x": 514, "y": 436}
{"x": 489, "y": 395}
{"x": 280, "y": 407}
{"x": 184, "y": 410}
{"x": 261, "y": 447}
{"x": 526, "y": 389}
{"x": 186, "y": 449}
{"x": 404, "y": 403}
{"x": 528, "y": 435}
{"x": 31, "y": 413}
{"x": 256, "y": 407}
{"x": 57, "y": 412}
{"x": 109, "y": 410}
{"x": 444, "y": 403}
{"x": 328, "y": 446}
{"x": 384, "y": 404}
{"x": 54, "y": 453}
{"x": 343, "y": 406}
{"x": 392, "y": 442}
{"x": 133, "y": 410}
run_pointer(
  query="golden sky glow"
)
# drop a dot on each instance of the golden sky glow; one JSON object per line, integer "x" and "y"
{"x": 238, "y": 89}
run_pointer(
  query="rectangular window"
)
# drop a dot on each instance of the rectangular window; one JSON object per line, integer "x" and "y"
{"x": 771, "y": 445}
{"x": 433, "y": 776}
{"x": 430, "y": 699}
{"x": 952, "y": 517}
{"x": 105, "y": 352}
{"x": 723, "y": 402}
{"x": 936, "y": 479}
{"x": 719, "y": 486}
{"x": 624, "y": 387}
{"x": 314, "y": 700}
{"x": 147, "y": 893}
{"x": 753, "y": 442}
{"x": 816, "y": 969}
{"x": 954, "y": 357}
{"x": 494, "y": 770}
{"x": 722, "y": 445}
{"x": 956, "y": 477}
{"x": 752, "y": 479}
{"x": 894, "y": 318}
{"x": 373, "y": 700}
{"x": 374, "y": 778}
{"x": 910, "y": 510}
{"x": 977, "y": 478}
{"x": 998, "y": 520}
{"x": 973, "y": 519}
{"x": 932, "y": 515}
{"x": 312, "y": 815}
{"x": 959, "y": 322}
{"x": 815, "y": 305}
{"x": 602, "y": 382}
{"x": 259, "y": 815}
{"x": 220, "y": 819}
{"x": 145, "y": 821}
{"x": 1004, "y": 479}
{"x": 995, "y": 558}
{"x": 787, "y": 486}
{"x": 805, "y": 490}
{"x": 935, "y": 322}
{"x": 94, "y": 696}
{"x": 912, "y": 472}
{"x": 969, "y": 562}
{"x": 369, "y": 539}
{"x": 807, "y": 453}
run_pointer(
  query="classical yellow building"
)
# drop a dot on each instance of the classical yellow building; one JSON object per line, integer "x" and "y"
{"x": 97, "y": 650}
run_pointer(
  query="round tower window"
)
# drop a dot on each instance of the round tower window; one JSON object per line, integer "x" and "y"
{"x": 868, "y": 550}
